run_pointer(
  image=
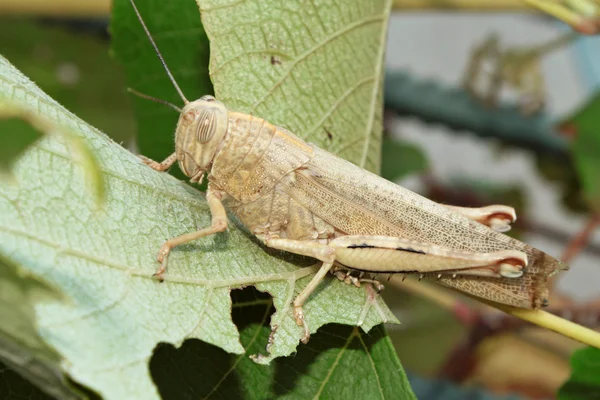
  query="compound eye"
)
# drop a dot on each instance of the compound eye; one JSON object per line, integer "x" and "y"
{"x": 207, "y": 125}
{"x": 207, "y": 98}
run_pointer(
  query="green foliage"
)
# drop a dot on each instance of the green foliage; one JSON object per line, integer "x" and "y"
{"x": 584, "y": 383}
{"x": 104, "y": 259}
{"x": 16, "y": 136}
{"x": 21, "y": 127}
{"x": 399, "y": 159}
{"x": 74, "y": 68}
{"x": 178, "y": 32}
{"x": 585, "y": 126}
{"x": 21, "y": 347}
{"x": 332, "y": 365}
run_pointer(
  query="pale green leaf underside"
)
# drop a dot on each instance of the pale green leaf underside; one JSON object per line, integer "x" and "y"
{"x": 103, "y": 260}
{"x": 312, "y": 67}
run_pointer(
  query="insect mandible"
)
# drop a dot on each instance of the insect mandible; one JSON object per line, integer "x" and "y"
{"x": 296, "y": 197}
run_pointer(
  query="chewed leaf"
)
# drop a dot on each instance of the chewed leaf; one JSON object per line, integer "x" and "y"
{"x": 103, "y": 260}
{"x": 339, "y": 362}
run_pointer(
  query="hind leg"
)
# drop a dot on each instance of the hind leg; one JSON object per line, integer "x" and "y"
{"x": 497, "y": 217}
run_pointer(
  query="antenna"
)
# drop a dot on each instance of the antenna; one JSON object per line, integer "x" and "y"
{"x": 160, "y": 57}
{"x": 154, "y": 99}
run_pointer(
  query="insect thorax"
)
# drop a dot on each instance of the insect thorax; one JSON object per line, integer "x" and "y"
{"x": 254, "y": 156}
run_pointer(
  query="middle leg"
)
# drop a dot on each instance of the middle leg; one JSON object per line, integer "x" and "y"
{"x": 319, "y": 251}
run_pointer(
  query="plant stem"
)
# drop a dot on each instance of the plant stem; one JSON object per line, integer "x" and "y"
{"x": 556, "y": 43}
{"x": 541, "y": 318}
{"x": 552, "y": 322}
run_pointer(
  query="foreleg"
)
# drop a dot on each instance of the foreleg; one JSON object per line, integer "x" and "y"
{"x": 218, "y": 224}
{"x": 160, "y": 166}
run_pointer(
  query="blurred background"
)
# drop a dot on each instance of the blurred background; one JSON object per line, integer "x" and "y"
{"x": 528, "y": 141}
{"x": 535, "y": 173}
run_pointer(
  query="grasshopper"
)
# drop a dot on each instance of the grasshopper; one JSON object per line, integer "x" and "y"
{"x": 296, "y": 197}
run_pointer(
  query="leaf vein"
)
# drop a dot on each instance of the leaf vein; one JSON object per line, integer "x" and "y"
{"x": 136, "y": 272}
{"x": 337, "y": 103}
{"x": 376, "y": 86}
{"x": 241, "y": 356}
{"x": 333, "y": 366}
{"x": 302, "y": 57}
{"x": 371, "y": 361}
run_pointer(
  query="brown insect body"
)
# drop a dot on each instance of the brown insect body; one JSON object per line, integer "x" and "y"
{"x": 299, "y": 198}
{"x": 282, "y": 187}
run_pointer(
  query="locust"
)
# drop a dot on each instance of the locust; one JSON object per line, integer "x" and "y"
{"x": 295, "y": 197}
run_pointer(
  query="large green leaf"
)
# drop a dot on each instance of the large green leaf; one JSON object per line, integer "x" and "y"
{"x": 103, "y": 260}
{"x": 315, "y": 68}
{"x": 584, "y": 382}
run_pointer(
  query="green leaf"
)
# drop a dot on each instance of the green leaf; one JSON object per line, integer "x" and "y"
{"x": 584, "y": 382}
{"x": 104, "y": 259}
{"x": 400, "y": 159}
{"x": 21, "y": 128}
{"x": 21, "y": 347}
{"x": 585, "y": 149}
{"x": 335, "y": 358}
{"x": 16, "y": 136}
{"x": 177, "y": 29}
{"x": 314, "y": 68}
